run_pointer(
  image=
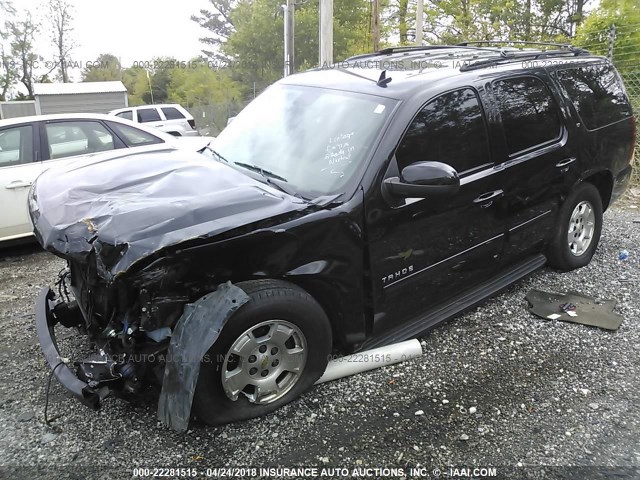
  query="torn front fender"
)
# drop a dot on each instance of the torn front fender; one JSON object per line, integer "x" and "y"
{"x": 195, "y": 332}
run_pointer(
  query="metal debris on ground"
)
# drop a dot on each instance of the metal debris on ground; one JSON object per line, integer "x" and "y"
{"x": 574, "y": 307}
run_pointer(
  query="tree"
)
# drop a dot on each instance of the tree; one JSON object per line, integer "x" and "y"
{"x": 219, "y": 23}
{"x": 137, "y": 83}
{"x": 22, "y": 39}
{"x": 250, "y": 36}
{"x": 60, "y": 16}
{"x": 595, "y": 33}
{"x": 202, "y": 86}
{"x": 106, "y": 67}
{"x": 7, "y": 71}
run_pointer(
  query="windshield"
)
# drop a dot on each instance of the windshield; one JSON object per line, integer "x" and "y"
{"x": 313, "y": 139}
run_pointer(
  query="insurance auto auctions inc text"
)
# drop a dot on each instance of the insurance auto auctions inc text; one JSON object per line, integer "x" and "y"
{"x": 355, "y": 472}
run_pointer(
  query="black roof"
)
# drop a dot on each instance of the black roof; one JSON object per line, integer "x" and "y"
{"x": 409, "y": 67}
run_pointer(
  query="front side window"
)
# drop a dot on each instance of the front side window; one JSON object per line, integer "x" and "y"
{"x": 316, "y": 139}
{"x": 449, "y": 129}
{"x": 597, "y": 94}
{"x": 529, "y": 114}
{"x": 16, "y": 145}
{"x": 148, "y": 115}
{"x": 66, "y": 139}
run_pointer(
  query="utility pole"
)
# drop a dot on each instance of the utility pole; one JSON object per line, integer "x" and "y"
{"x": 375, "y": 25}
{"x": 419, "y": 17}
{"x": 326, "y": 33}
{"x": 288, "y": 37}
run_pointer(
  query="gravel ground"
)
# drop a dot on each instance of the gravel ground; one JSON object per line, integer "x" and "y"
{"x": 497, "y": 387}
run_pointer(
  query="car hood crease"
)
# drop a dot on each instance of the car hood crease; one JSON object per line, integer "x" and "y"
{"x": 128, "y": 207}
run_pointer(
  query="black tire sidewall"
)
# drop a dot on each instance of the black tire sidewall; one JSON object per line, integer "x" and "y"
{"x": 560, "y": 255}
{"x": 293, "y": 305}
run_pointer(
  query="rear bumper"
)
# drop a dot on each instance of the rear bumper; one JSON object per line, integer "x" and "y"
{"x": 620, "y": 183}
{"x": 45, "y": 321}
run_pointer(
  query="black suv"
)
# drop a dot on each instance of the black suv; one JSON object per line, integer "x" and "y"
{"x": 343, "y": 209}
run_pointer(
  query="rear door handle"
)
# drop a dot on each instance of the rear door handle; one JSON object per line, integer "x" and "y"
{"x": 565, "y": 162}
{"x": 485, "y": 197}
{"x": 18, "y": 184}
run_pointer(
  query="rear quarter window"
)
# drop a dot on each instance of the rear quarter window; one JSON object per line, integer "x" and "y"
{"x": 127, "y": 114}
{"x": 597, "y": 94}
{"x": 134, "y": 137}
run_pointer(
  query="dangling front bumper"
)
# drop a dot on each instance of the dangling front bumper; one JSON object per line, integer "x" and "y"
{"x": 87, "y": 394}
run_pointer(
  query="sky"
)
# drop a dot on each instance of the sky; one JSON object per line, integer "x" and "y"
{"x": 132, "y": 30}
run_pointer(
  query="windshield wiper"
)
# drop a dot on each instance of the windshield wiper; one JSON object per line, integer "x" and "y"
{"x": 219, "y": 155}
{"x": 271, "y": 178}
{"x": 261, "y": 171}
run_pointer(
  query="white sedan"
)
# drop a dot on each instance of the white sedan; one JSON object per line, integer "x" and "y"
{"x": 30, "y": 145}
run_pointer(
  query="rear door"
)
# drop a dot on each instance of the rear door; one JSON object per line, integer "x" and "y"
{"x": 538, "y": 155}
{"x": 18, "y": 170}
{"x": 150, "y": 116}
{"x": 175, "y": 121}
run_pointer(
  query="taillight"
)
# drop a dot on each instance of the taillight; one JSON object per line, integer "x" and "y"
{"x": 192, "y": 124}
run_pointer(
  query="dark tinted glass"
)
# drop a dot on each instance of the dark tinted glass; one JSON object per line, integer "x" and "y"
{"x": 172, "y": 113}
{"x": 449, "y": 129}
{"x": 529, "y": 115}
{"x": 148, "y": 115}
{"x": 597, "y": 94}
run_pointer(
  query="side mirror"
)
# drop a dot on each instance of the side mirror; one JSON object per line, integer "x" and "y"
{"x": 424, "y": 179}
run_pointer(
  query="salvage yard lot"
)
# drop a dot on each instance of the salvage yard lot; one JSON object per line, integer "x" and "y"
{"x": 541, "y": 392}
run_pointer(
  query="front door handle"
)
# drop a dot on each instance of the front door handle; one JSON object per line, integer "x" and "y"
{"x": 565, "y": 162}
{"x": 488, "y": 196}
{"x": 18, "y": 184}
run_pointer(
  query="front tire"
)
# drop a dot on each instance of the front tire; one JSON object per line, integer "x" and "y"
{"x": 579, "y": 229}
{"x": 271, "y": 350}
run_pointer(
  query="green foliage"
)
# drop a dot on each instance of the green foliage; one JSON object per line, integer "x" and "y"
{"x": 105, "y": 68}
{"x": 594, "y": 33}
{"x": 253, "y": 31}
{"x": 22, "y": 36}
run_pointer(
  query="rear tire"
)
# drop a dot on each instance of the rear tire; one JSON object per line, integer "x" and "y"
{"x": 280, "y": 329}
{"x": 579, "y": 228}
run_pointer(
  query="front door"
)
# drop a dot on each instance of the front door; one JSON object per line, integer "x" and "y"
{"x": 18, "y": 170}
{"x": 425, "y": 251}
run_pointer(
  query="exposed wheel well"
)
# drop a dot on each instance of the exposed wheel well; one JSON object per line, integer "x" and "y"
{"x": 603, "y": 181}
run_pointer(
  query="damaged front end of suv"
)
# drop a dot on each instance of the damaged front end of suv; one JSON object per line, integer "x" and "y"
{"x": 150, "y": 260}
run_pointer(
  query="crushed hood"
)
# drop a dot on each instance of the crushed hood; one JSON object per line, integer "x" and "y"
{"x": 125, "y": 207}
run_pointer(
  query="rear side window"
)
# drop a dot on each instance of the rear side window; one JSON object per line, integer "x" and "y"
{"x": 127, "y": 114}
{"x": 148, "y": 115}
{"x": 449, "y": 129}
{"x": 529, "y": 114}
{"x": 172, "y": 113}
{"x": 597, "y": 94}
{"x": 16, "y": 145}
{"x": 132, "y": 136}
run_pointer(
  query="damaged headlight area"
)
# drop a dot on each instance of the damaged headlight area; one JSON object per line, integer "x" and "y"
{"x": 127, "y": 357}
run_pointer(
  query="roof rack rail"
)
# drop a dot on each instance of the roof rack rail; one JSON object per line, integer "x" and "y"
{"x": 510, "y": 57}
{"x": 516, "y": 42}
{"x": 408, "y": 49}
